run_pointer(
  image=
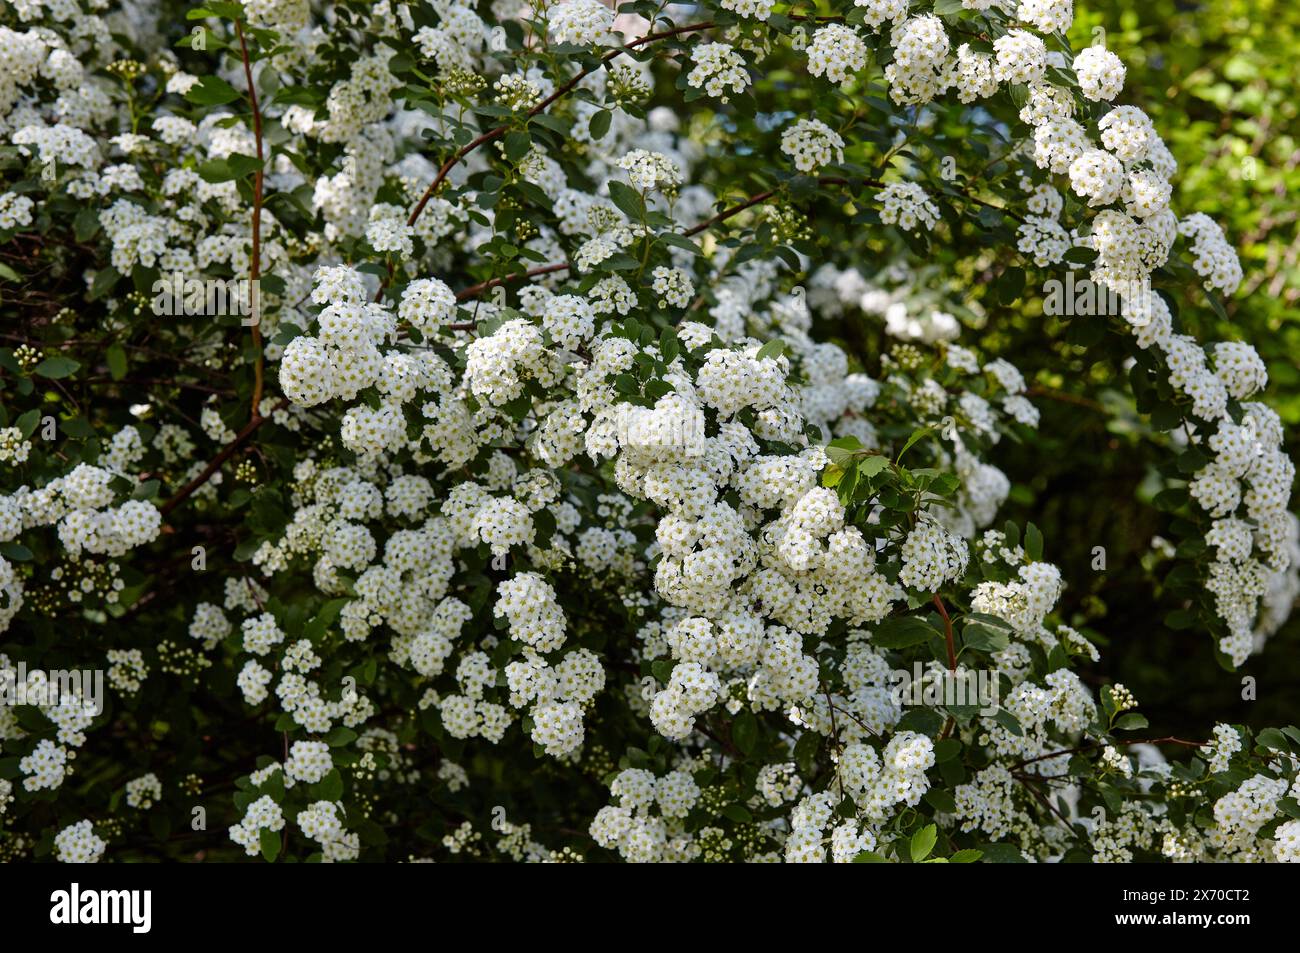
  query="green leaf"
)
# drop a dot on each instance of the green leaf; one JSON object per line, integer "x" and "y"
{"x": 1131, "y": 722}
{"x": 738, "y": 813}
{"x": 1009, "y": 721}
{"x": 330, "y": 787}
{"x": 105, "y": 280}
{"x": 1272, "y": 738}
{"x": 669, "y": 345}
{"x": 270, "y": 842}
{"x": 1033, "y": 543}
{"x": 116, "y": 358}
{"x": 211, "y": 90}
{"x": 917, "y": 434}
{"x": 900, "y": 632}
{"x": 869, "y": 857}
{"x": 85, "y": 225}
{"x": 28, "y": 422}
{"x": 966, "y": 856}
{"x": 680, "y": 241}
{"x": 772, "y": 349}
{"x": 923, "y": 842}
{"x": 805, "y": 751}
{"x": 946, "y": 750}
{"x": 57, "y": 367}
{"x": 988, "y": 621}
{"x": 600, "y": 124}
{"x": 744, "y": 731}
{"x": 941, "y": 801}
{"x": 217, "y": 9}
{"x": 871, "y": 465}
{"x": 842, "y": 449}
{"x": 15, "y": 551}
{"x": 1002, "y": 854}
{"x": 627, "y": 199}
{"x": 517, "y": 144}
{"x": 243, "y": 165}
{"x": 321, "y": 622}
{"x": 340, "y": 736}
{"x": 925, "y": 721}
{"x": 1216, "y": 304}
{"x": 1010, "y": 285}
{"x": 235, "y": 166}
{"x": 982, "y": 638}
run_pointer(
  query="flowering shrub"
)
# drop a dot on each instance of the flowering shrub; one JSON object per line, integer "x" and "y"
{"x": 448, "y": 430}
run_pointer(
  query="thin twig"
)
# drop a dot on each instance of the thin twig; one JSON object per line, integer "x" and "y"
{"x": 255, "y": 266}
{"x": 498, "y": 131}
{"x": 226, "y": 453}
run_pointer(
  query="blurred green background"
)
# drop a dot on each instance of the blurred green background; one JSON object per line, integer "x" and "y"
{"x": 1219, "y": 80}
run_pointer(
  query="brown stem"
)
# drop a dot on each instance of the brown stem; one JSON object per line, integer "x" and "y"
{"x": 951, "y": 723}
{"x": 475, "y": 290}
{"x": 728, "y": 212}
{"x": 1097, "y": 744}
{"x": 1046, "y": 803}
{"x": 255, "y": 266}
{"x": 1063, "y": 397}
{"x": 757, "y": 199}
{"x": 226, "y": 453}
{"x": 497, "y": 132}
{"x": 947, "y": 633}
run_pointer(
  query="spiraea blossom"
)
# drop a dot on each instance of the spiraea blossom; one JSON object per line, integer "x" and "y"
{"x": 497, "y": 407}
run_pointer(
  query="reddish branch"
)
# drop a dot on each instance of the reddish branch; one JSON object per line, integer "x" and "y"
{"x": 947, "y": 633}
{"x": 498, "y": 131}
{"x": 255, "y": 267}
{"x": 727, "y": 213}
{"x": 757, "y": 199}
{"x": 951, "y": 723}
{"x": 474, "y": 291}
{"x": 562, "y": 91}
{"x": 1038, "y": 795}
{"x": 1064, "y": 397}
{"x": 1097, "y": 744}
{"x": 214, "y": 465}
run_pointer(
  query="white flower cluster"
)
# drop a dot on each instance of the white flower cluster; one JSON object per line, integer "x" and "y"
{"x": 584, "y": 22}
{"x": 1101, "y": 73}
{"x": 262, "y": 815}
{"x": 907, "y": 205}
{"x": 718, "y": 68}
{"x": 629, "y": 826}
{"x": 507, "y": 466}
{"x": 836, "y": 52}
{"x": 321, "y": 822}
{"x": 812, "y": 144}
{"x": 143, "y": 792}
{"x": 931, "y": 557}
{"x": 918, "y": 73}
{"x": 650, "y": 170}
{"x": 1226, "y": 744}
{"x": 78, "y": 844}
